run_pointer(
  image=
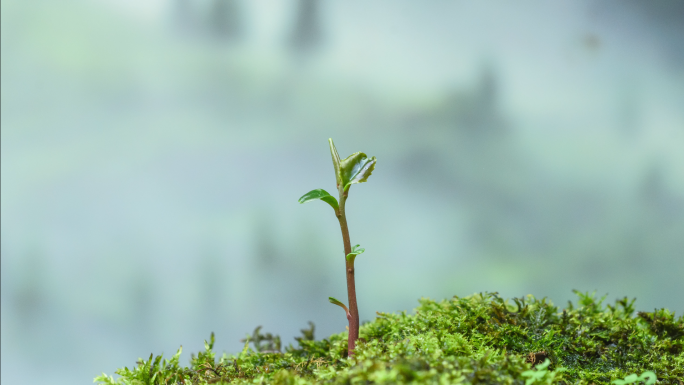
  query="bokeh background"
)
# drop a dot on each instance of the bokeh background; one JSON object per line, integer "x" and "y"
{"x": 153, "y": 153}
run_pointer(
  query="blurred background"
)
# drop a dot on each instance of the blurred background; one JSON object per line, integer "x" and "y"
{"x": 153, "y": 153}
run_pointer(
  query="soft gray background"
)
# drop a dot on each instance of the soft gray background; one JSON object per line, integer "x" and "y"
{"x": 153, "y": 153}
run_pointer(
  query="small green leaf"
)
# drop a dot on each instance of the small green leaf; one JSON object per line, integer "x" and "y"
{"x": 356, "y": 250}
{"x": 651, "y": 377}
{"x": 338, "y": 303}
{"x": 543, "y": 365}
{"x": 322, "y": 195}
{"x": 356, "y": 168}
{"x": 336, "y": 162}
{"x": 178, "y": 353}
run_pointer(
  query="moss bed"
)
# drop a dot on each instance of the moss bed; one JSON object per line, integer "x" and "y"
{"x": 481, "y": 339}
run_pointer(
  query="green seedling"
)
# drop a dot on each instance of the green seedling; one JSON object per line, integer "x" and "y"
{"x": 356, "y": 168}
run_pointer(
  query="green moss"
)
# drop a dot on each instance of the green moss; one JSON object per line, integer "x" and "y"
{"x": 480, "y": 339}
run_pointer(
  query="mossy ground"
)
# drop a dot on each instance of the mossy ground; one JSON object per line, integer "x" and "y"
{"x": 480, "y": 339}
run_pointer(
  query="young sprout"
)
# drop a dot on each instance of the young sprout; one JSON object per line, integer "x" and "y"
{"x": 356, "y": 168}
{"x": 356, "y": 250}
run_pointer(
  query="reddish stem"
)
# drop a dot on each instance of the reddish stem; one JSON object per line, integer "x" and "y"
{"x": 353, "y": 315}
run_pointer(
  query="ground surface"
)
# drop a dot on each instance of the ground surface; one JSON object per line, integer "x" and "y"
{"x": 481, "y": 339}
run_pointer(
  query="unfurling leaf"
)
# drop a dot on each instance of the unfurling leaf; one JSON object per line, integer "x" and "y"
{"x": 356, "y": 250}
{"x": 356, "y": 168}
{"x": 338, "y": 303}
{"x": 322, "y": 195}
{"x": 336, "y": 162}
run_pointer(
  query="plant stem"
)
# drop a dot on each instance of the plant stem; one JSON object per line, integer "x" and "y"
{"x": 351, "y": 285}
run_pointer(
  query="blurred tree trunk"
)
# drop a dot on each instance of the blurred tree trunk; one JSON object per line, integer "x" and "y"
{"x": 307, "y": 32}
{"x": 225, "y": 21}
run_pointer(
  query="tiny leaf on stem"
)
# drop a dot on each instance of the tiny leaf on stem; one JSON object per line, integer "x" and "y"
{"x": 322, "y": 195}
{"x": 356, "y": 250}
{"x": 338, "y": 303}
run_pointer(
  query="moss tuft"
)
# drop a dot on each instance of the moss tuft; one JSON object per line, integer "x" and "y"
{"x": 471, "y": 340}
